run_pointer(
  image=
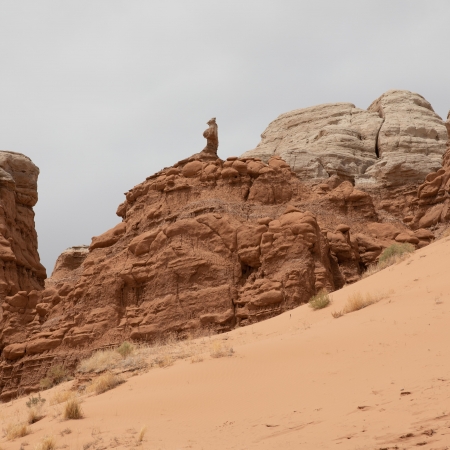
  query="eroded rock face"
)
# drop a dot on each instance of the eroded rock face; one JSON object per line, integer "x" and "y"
{"x": 324, "y": 140}
{"x": 397, "y": 141}
{"x": 208, "y": 245}
{"x": 20, "y": 268}
{"x": 432, "y": 203}
{"x": 411, "y": 140}
{"x": 69, "y": 263}
{"x": 203, "y": 245}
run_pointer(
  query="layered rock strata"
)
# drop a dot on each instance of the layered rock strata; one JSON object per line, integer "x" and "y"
{"x": 398, "y": 140}
{"x": 20, "y": 267}
{"x": 324, "y": 140}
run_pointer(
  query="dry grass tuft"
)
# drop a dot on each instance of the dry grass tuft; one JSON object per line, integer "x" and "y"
{"x": 16, "y": 430}
{"x": 35, "y": 414}
{"x": 141, "y": 435}
{"x": 337, "y": 314}
{"x": 320, "y": 300}
{"x": 47, "y": 443}
{"x": 164, "y": 360}
{"x": 56, "y": 375}
{"x": 61, "y": 397}
{"x": 220, "y": 350}
{"x": 105, "y": 382}
{"x": 162, "y": 352}
{"x": 100, "y": 361}
{"x": 72, "y": 410}
{"x": 391, "y": 255}
{"x": 357, "y": 301}
{"x": 197, "y": 359}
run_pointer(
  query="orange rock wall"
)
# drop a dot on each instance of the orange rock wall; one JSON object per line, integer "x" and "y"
{"x": 203, "y": 245}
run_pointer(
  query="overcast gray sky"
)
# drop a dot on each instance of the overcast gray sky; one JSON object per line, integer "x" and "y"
{"x": 103, "y": 93}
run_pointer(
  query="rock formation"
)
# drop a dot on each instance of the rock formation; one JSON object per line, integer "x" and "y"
{"x": 321, "y": 141}
{"x": 203, "y": 245}
{"x": 211, "y": 134}
{"x": 207, "y": 245}
{"x": 398, "y": 140}
{"x": 432, "y": 204}
{"x": 20, "y": 268}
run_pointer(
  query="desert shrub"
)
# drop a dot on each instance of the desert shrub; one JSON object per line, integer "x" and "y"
{"x": 320, "y": 300}
{"x": 47, "y": 443}
{"x": 16, "y": 430}
{"x": 61, "y": 396}
{"x": 395, "y": 250}
{"x": 105, "y": 382}
{"x": 125, "y": 349}
{"x": 391, "y": 255}
{"x": 46, "y": 383}
{"x": 220, "y": 350}
{"x": 337, "y": 314}
{"x": 72, "y": 409}
{"x": 55, "y": 375}
{"x": 36, "y": 400}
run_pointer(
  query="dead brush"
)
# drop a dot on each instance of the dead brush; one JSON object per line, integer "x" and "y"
{"x": 47, "y": 443}
{"x": 105, "y": 382}
{"x": 16, "y": 430}
{"x": 220, "y": 350}
{"x": 72, "y": 410}
{"x": 337, "y": 314}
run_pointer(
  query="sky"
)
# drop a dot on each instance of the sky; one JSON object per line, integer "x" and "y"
{"x": 101, "y": 94}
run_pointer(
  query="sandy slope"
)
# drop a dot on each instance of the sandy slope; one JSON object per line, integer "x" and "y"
{"x": 374, "y": 379}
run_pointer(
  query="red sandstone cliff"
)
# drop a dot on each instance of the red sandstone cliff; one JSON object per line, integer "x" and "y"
{"x": 210, "y": 245}
{"x": 206, "y": 244}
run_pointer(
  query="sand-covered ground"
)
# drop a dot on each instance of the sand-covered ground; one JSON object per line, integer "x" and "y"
{"x": 377, "y": 378}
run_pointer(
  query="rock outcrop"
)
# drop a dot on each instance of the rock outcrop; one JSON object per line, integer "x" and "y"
{"x": 203, "y": 245}
{"x": 207, "y": 245}
{"x": 432, "y": 204}
{"x": 20, "y": 267}
{"x": 324, "y": 140}
{"x": 397, "y": 141}
{"x": 411, "y": 140}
